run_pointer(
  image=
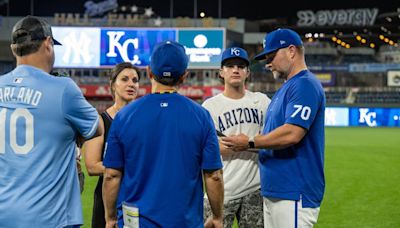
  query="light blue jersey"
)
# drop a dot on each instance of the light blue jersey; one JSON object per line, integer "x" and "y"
{"x": 40, "y": 117}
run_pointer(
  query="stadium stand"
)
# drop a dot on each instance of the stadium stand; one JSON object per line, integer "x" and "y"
{"x": 357, "y": 75}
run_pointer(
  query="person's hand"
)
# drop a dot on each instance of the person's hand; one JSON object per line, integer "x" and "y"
{"x": 212, "y": 222}
{"x": 236, "y": 142}
{"x": 112, "y": 223}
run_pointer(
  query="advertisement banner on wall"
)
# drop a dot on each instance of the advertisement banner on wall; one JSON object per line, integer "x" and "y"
{"x": 393, "y": 78}
{"x": 131, "y": 45}
{"x": 203, "y": 46}
{"x": 375, "y": 117}
{"x": 334, "y": 116}
{"x": 337, "y": 116}
{"x": 96, "y": 47}
{"x": 80, "y": 47}
{"x": 373, "y": 67}
{"x": 326, "y": 79}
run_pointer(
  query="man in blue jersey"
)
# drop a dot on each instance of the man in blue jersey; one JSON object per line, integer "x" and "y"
{"x": 40, "y": 118}
{"x": 158, "y": 149}
{"x": 292, "y": 144}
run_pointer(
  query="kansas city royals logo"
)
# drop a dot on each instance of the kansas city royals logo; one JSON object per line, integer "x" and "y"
{"x": 235, "y": 51}
{"x": 115, "y": 43}
{"x": 368, "y": 117}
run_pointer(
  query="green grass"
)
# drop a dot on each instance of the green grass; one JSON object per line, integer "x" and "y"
{"x": 362, "y": 170}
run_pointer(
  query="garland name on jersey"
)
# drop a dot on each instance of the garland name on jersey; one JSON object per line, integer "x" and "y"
{"x": 22, "y": 95}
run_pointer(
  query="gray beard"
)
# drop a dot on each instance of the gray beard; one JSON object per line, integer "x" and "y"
{"x": 277, "y": 75}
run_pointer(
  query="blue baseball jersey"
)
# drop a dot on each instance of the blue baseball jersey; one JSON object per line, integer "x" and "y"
{"x": 40, "y": 117}
{"x": 162, "y": 142}
{"x": 296, "y": 172}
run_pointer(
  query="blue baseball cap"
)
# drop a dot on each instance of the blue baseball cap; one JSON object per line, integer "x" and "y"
{"x": 235, "y": 52}
{"x": 169, "y": 60}
{"x": 277, "y": 39}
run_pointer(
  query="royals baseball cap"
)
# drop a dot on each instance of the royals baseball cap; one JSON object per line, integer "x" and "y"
{"x": 31, "y": 28}
{"x": 235, "y": 52}
{"x": 277, "y": 39}
{"x": 169, "y": 59}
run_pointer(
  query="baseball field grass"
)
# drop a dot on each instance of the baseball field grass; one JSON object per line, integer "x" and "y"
{"x": 362, "y": 170}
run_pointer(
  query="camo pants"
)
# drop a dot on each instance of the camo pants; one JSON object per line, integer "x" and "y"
{"x": 248, "y": 210}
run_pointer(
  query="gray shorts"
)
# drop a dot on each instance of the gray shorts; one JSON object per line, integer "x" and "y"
{"x": 248, "y": 210}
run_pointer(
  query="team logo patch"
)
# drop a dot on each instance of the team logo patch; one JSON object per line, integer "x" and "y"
{"x": 18, "y": 80}
{"x": 164, "y": 104}
{"x": 235, "y": 51}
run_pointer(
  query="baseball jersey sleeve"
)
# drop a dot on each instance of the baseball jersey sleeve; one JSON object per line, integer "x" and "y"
{"x": 211, "y": 154}
{"x": 78, "y": 111}
{"x": 303, "y": 104}
{"x": 209, "y": 106}
{"x": 265, "y": 101}
{"x": 113, "y": 153}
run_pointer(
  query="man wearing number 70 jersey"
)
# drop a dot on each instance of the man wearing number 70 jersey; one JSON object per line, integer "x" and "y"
{"x": 40, "y": 118}
{"x": 291, "y": 147}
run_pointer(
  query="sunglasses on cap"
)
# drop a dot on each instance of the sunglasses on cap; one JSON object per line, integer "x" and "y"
{"x": 270, "y": 57}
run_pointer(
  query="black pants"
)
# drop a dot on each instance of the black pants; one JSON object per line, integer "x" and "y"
{"x": 98, "y": 217}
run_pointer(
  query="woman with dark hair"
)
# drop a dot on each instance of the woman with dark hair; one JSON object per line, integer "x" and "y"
{"x": 124, "y": 86}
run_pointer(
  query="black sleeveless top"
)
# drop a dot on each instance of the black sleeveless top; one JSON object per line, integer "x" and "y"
{"x": 107, "y": 120}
